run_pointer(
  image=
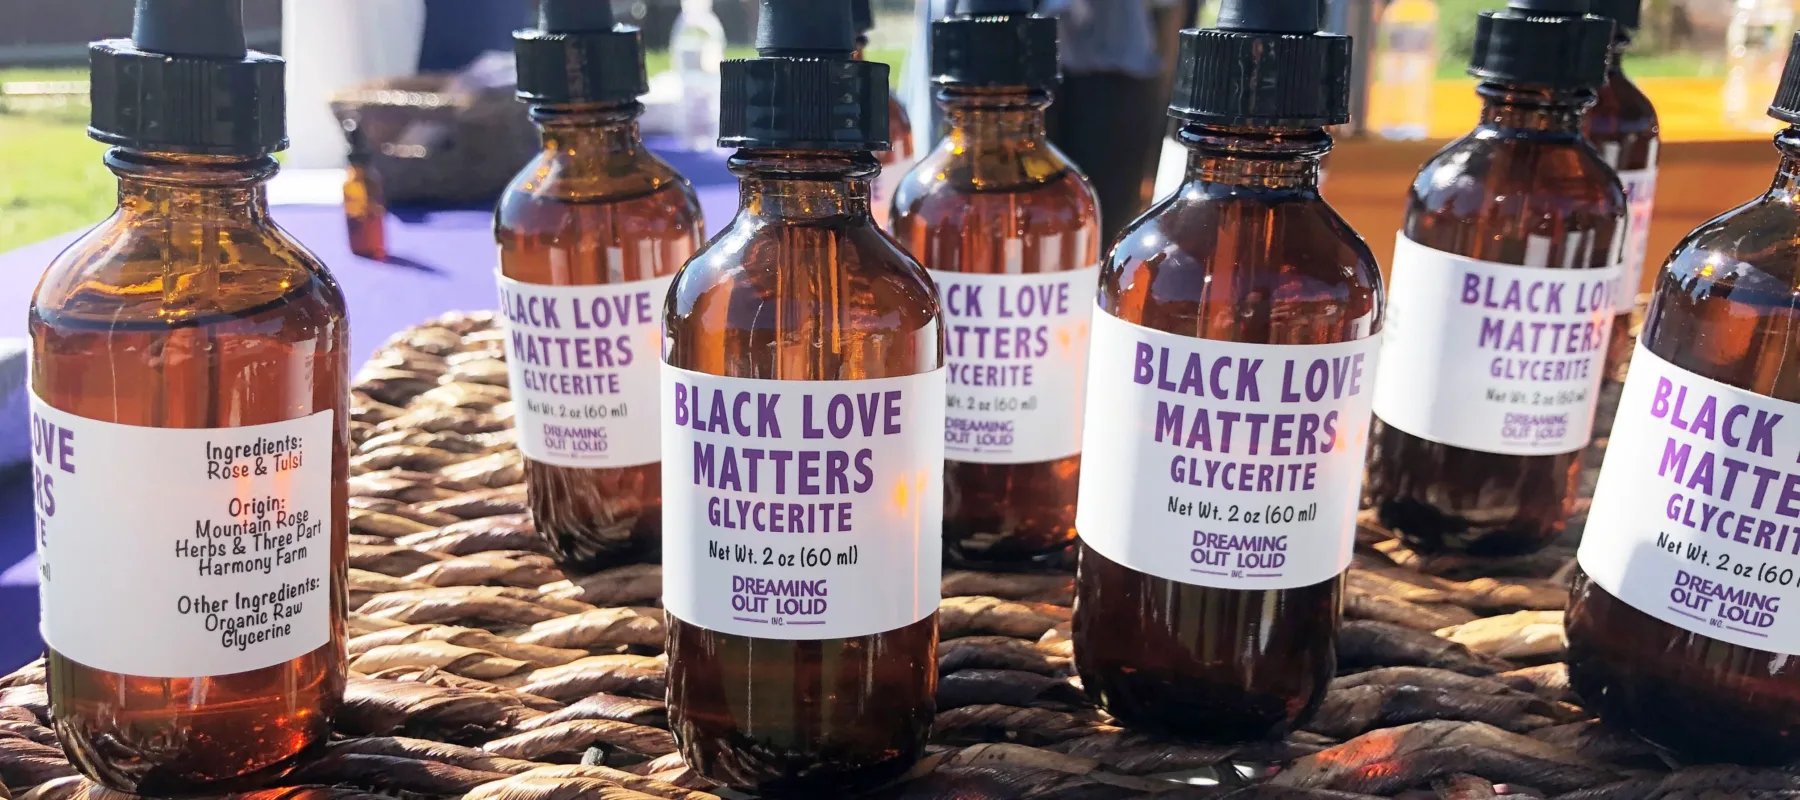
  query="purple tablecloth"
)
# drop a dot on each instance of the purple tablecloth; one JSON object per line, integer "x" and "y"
{"x": 440, "y": 261}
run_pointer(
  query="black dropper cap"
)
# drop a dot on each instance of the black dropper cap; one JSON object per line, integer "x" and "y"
{"x": 862, "y": 18}
{"x": 994, "y": 43}
{"x": 576, "y": 54}
{"x": 1627, "y": 14}
{"x": 1553, "y": 44}
{"x": 1266, "y": 65}
{"x": 1787, "y": 97}
{"x": 185, "y": 83}
{"x": 803, "y": 91}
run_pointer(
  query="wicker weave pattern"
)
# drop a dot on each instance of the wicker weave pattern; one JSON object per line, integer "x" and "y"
{"x": 481, "y": 672}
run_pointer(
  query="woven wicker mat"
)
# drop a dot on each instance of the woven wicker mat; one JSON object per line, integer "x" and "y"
{"x": 479, "y": 671}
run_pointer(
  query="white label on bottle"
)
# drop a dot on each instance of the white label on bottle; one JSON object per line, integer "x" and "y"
{"x": 1493, "y": 357}
{"x": 802, "y": 509}
{"x": 1224, "y": 464}
{"x": 1640, "y": 190}
{"x": 583, "y": 362}
{"x": 1696, "y": 519}
{"x": 1016, "y": 349}
{"x": 183, "y": 552}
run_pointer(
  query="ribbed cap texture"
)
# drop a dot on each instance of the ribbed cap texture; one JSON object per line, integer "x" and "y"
{"x": 804, "y": 103}
{"x": 586, "y": 67}
{"x": 1262, "y": 80}
{"x": 186, "y": 104}
{"x": 1787, "y": 97}
{"x": 1014, "y": 50}
{"x": 1553, "y": 48}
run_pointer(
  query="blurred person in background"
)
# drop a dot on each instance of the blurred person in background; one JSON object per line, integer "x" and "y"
{"x": 1110, "y": 112}
{"x": 1108, "y": 115}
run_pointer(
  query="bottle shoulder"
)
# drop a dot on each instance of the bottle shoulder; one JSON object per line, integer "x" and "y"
{"x": 136, "y": 268}
{"x": 1216, "y": 264}
{"x": 1622, "y": 109}
{"x": 1727, "y": 303}
{"x": 1485, "y": 178}
{"x": 1041, "y": 194}
{"x": 764, "y": 269}
{"x": 641, "y": 187}
{"x": 1201, "y": 240}
{"x": 1750, "y": 254}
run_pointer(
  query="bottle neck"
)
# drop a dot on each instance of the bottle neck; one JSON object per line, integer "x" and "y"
{"x": 1255, "y": 159}
{"x": 1786, "y": 188}
{"x": 190, "y": 186}
{"x": 989, "y": 120}
{"x": 1518, "y": 111}
{"x": 804, "y": 184}
{"x": 578, "y": 131}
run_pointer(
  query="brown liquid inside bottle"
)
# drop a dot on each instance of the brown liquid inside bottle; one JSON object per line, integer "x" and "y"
{"x": 596, "y": 207}
{"x": 1525, "y": 173}
{"x": 802, "y": 286}
{"x": 190, "y": 309}
{"x": 994, "y": 183}
{"x": 1683, "y": 690}
{"x": 365, "y": 210}
{"x": 1245, "y": 251}
{"x": 1623, "y": 126}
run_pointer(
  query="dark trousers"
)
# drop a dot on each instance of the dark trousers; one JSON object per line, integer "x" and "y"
{"x": 456, "y": 31}
{"x": 1112, "y": 125}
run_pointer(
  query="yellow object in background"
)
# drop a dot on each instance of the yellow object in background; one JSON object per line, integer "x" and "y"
{"x": 1756, "y": 46}
{"x": 1690, "y": 109}
{"x": 1400, "y": 105}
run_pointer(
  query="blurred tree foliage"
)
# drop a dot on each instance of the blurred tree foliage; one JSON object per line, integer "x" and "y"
{"x": 1666, "y": 36}
{"x": 1667, "y": 26}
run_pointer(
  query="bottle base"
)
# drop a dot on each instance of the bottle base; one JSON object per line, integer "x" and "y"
{"x": 1683, "y": 692}
{"x": 593, "y": 520}
{"x": 588, "y": 550}
{"x": 758, "y": 772}
{"x": 1008, "y": 559}
{"x": 804, "y": 718}
{"x": 1427, "y": 529}
{"x": 1227, "y": 719}
{"x": 117, "y": 771}
{"x": 136, "y": 734}
{"x": 1217, "y": 666}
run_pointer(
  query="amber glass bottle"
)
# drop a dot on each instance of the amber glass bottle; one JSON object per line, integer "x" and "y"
{"x": 803, "y": 427}
{"x": 1501, "y": 282}
{"x": 365, "y": 206}
{"x": 1228, "y": 402}
{"x": 1011, "y": 233}
{"x": 590, "y": 232}
{"x": 1681, "y": 623}
{"x": 189, "y": 434}
{"x": 897, "y": 160}
{"x": 1623, "y": 126}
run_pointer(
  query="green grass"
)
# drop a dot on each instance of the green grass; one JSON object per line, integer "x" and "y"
{"x": 1456, "y": 36}
{"x": 9, "y": 74}
{"x": 51, "y": 178}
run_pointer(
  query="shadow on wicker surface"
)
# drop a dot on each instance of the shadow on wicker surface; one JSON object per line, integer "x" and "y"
{"x": 479, "y": 671}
